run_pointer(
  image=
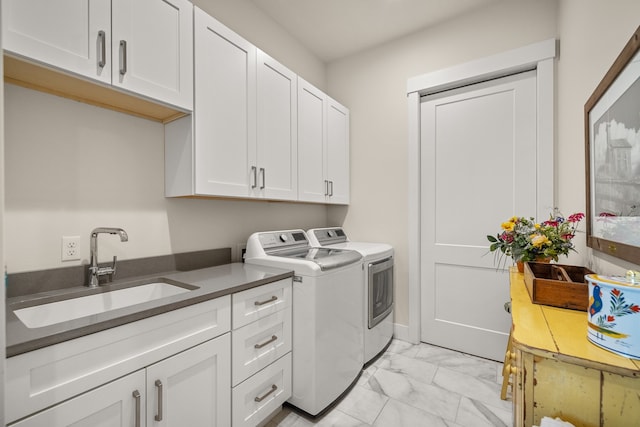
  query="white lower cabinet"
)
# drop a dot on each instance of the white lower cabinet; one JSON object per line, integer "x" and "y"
{"x": 262, "y": 342}
{"x": 171, "y": 370}
{"x": 191, "y": 388}
{"x": 119, "y": 403}
{"x": 261, "y": 347}
{"x": 188, "y": 389}
{"x": 263, "y": 393}
{"x": 47, "y": 376}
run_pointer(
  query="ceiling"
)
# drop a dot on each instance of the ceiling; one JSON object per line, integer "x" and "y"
{"x": 333, "y": 29}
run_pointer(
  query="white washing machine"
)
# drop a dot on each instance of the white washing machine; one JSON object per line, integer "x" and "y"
{"x": 378, "y": 285}
{"x": 327, "y": 314}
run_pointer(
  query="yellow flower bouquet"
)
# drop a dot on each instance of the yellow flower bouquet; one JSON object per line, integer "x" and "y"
{"x": 523, "y": 239}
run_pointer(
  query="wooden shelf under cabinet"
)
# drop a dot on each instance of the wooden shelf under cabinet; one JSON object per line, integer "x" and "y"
{"x": 33, "y": 76}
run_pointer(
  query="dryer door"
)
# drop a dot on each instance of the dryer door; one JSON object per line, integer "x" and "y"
{"x": 380, "y": 290}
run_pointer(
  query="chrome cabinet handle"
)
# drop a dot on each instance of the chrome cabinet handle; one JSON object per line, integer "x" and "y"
{"x": 136, "y": 396}
{"x": 326, "y": 187}
{"x": 102, "y": 55}
{"x": 331, "y": 188}
{"x": 254, "y": 173}
{"x": 158, "y": 417}
{"x": 263, "y": 178}
{"x": 272, "y": 299}
{"x": 123, "y": 57}
{"x": 269, "y": 341}
{"x": 264, "y": 396}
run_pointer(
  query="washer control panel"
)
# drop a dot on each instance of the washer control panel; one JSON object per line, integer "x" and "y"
{"x": 329, "y": 236}
{"x": 283, "y": 239}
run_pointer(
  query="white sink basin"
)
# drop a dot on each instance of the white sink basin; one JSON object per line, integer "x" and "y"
{"x": 38, "y": 316}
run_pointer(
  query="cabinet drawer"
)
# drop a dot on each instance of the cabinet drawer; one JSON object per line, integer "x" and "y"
{"x": 46, "y": 376}
{"x": 257, "y": 303}
{"x": 263, "y": 393}
{"x": 256, "y": 345}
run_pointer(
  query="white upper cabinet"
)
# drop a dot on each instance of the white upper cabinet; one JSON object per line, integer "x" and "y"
{"x": 277, "y": 143}
{"x": 244, "y": 124}
{"x": 224, "y": 118}
{"x": 337, "y": 152}
{"x": 73, "y": 35}
{"x": 144, "y": 46}
{"x": 152, "y": 49}
{"x": 323, "y": 147}
{"x": 312, "y": 186}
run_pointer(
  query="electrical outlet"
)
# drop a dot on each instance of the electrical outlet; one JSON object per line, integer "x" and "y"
{"x": 238, "y": 255}
{"x": 70, "y": 248}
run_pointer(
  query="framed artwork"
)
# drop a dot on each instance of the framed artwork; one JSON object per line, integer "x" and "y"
{"x": 612, "y": 142}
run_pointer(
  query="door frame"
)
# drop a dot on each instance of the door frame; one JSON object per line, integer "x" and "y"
{"x": 538, "y": 56}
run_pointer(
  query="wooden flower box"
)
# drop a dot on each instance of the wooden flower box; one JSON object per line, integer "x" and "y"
{"x": 557, "y": 285}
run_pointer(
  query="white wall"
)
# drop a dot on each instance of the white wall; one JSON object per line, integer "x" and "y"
{"x": 592, "y": 33}
{"x": 71, "y": 167}
{"x": 373, "y": 85}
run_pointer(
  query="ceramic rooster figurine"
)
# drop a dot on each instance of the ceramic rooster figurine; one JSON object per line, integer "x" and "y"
{"x": 595, "y": 301}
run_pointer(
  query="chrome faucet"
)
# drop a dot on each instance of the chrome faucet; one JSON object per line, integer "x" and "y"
{"x": 94, "y": 271}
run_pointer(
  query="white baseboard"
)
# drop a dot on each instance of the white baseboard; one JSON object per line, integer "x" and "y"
{"x": 401, "y": 332}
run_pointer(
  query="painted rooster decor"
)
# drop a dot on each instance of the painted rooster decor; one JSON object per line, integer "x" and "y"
{"x": 595, "y": 301}
{"x": 613, "y": 320}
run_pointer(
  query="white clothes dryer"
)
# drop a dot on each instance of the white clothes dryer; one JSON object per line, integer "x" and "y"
{"x": 327, "y": 314}
{"x": 378, "y": 285}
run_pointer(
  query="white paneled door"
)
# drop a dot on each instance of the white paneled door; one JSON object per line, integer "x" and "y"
{"x": 478, "y": 163}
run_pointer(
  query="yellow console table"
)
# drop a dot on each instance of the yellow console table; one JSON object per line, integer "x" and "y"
{"x": 556, "y": 372}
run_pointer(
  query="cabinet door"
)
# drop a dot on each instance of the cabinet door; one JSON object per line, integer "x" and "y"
{"x": 277, "y": 147}
{"x": 312, "y": 186}
{"x": 73, "y": 35}
{"x": 224, "y": 122}
{"x": 337, "y": 152}
{"x": 113, "y": 404}
{"x": 192, "y": 388}
{"x": 153, "y": 49}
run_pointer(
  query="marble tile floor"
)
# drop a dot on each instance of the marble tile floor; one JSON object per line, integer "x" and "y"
{"x": 417, "y": 386}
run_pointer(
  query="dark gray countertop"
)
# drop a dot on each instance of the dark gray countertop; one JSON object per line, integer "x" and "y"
{"x": 213, "y": 282}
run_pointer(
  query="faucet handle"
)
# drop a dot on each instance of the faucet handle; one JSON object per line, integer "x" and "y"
{"x": 113, "y": 266}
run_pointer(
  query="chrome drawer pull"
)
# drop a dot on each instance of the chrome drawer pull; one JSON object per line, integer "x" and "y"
{"x": 136, "y": 396}
{"x": 159, "y": 387}
{"x": 254, "y": 174}
{"x": 269, "y": 341}
{"x": 272, "y": 299}
{"x": 123, "y": 57}
{"x": 263, "y": 397}
{"x": 103, "y": 49}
